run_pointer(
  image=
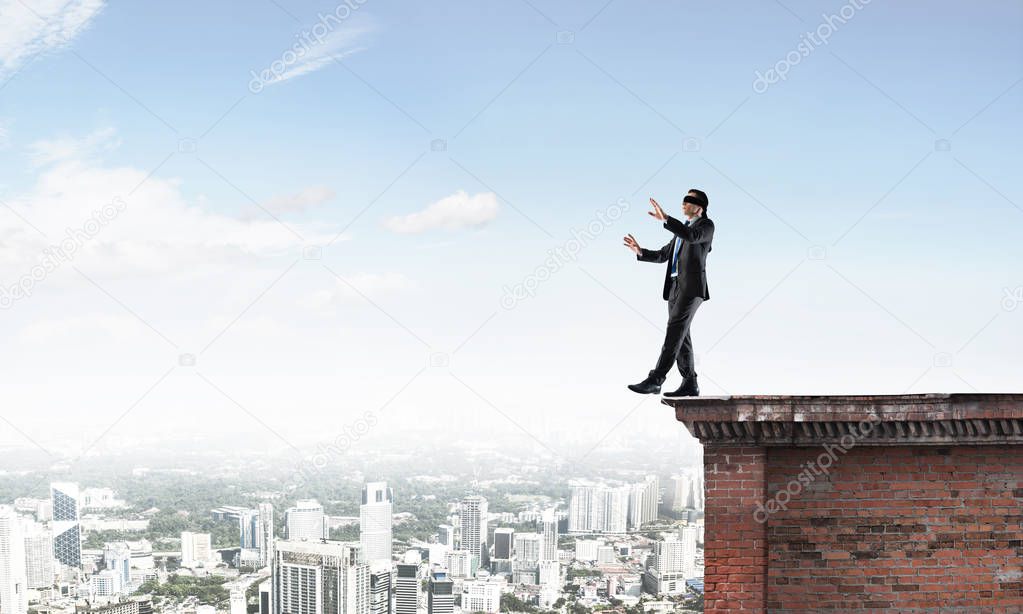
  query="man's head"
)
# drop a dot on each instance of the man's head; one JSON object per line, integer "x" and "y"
{"x": 695, "y": 203}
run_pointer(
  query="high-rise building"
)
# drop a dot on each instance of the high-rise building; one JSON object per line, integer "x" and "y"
{"x": 643, "y": 499}
{"x": 599, "y": 509}
{"x": 248, "y": 529}
{"x": 549, "y": 532}
{"x": 117, "y": 558}
{"x": 446, "y": 535}
{"x": 504, "y": 542}
{"x": 319, "y": 577}
{"x": 305, "y": 521}
{"x": 380, "y": 590}
{"x": 13, "y": 580}
{"x": 38, "y": 555}
{"x": 681, "y": 492}
{"x": 106, "y": 583}
{"x": 441, "y": 594}
{"x": 265, "y": 533}
{"x": 196, "y": 549}
{"x": 528, "y": 547}
{"x": 375, "y": 522}
{"x": 473, "y": 515}
{"x": 265, "y": 602}
{"x": 459, "y": 563}
{"x": 406, "y": 588}
{"x": 674, "y": 562}
{"x": 67, "y": 540}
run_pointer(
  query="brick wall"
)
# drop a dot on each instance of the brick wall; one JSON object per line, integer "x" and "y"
{"x": 735, "y": 546}
{"x": 902, "y": 528}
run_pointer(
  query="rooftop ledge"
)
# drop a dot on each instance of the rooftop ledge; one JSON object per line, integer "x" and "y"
{"x": 880, "y": 420}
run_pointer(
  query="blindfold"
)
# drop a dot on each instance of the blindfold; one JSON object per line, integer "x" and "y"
{"x": 694, "y": 200}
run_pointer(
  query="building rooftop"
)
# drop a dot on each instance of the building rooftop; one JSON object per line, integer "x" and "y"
{"x": 904, "y": 419}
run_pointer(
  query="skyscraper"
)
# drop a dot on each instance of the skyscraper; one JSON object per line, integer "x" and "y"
{"x": 67, "y": 541}
{"x": 248, "y": 529}
{"x": 305, "y": 521}
{"x": 117, "y": 558}
{"x": 549, "y": 532}
{"x": 458, "y": 563}
{"x": 265, "y": 533}
{"x": 504, "y": 542}
{"x": 473, "y": 514}
{"x": 375, "y": 522}
{"x": 38, "y": 555}
{"x": 314, "y": 577}
{"x": 196, "y": 549}
{"x": 673, "y": 563}
{"x": 406, "y": 589}
{"x": 13, "y": 581}
{"x": 643, "y": 499}
{"x": 380, "y": 590}
{"x": 446, "y": 535}
{"x": 599, "y": 509}
{"x": 441, "y": 594}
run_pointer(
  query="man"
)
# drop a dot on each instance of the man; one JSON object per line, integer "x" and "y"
{"x": 685, "y": 289}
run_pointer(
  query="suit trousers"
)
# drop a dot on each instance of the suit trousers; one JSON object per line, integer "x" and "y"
{"x": 678, "y": 346}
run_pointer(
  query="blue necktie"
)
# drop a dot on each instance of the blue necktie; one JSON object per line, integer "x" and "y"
{"x": 674, "y": 258}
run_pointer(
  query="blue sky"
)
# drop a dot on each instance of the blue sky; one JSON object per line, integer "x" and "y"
{"x": 854, "y": 252}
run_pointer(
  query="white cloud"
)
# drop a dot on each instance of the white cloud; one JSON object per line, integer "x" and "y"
{"x": 42, "y": 26}
{"x": 294, "y": 203}
{"x": 158, "y": 229}
{"x": 451, "y": 212}
{"x": 48, "y": 151}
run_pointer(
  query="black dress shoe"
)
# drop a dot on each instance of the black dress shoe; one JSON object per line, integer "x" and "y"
{"x": 647, "y": 386}
{"x": 687, "y": 389}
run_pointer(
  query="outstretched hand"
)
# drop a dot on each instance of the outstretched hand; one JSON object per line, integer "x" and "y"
{"x": 631, "y": 243}
{"x": 658, "y": 213}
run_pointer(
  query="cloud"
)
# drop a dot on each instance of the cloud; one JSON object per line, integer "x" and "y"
{"x": 293, "y": 203}
{"x": 450, "y": 213}
{"x": 40, "y": 27}
{"x": 156, "y": 229}
{"x": 49, "y": 151}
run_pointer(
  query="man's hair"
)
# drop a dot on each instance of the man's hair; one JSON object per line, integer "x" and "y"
{"x": 702, "y": 195}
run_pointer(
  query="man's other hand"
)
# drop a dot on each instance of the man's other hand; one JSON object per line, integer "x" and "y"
{"x": 631, "y": 243}
{"x": 658, "y": 213}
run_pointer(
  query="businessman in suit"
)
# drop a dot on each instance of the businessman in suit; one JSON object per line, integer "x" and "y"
{"x": 685, "y": 289}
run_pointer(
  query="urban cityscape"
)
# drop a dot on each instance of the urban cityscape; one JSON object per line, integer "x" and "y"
{"x": 505, "y": 533}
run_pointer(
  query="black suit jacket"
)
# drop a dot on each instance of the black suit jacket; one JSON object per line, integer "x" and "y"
{"x": 692, "y": 259}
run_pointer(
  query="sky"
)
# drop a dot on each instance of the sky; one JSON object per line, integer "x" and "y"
{"x": 274, "y": 219}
